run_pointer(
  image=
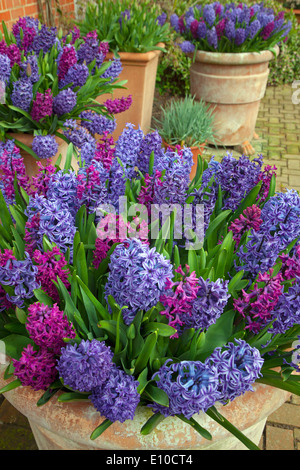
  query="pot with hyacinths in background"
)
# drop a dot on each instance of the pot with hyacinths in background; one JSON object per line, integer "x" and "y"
{"x": 142, "y": 310}
{"x": 50, "y": 83}
{"x": 136, "y": 33}
{"x": 231, "y": 46}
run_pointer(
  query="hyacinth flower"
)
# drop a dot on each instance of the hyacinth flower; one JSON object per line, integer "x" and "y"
{"x": 249, "y": 219}
{"x": 137, "y": 277}
{"x": 91, "y": 187}
{"x": 11, "y": 166}
{"x": 117, "y": 397}
{"x": 36, "y": 369}
{"x": 51, "y": 265}
{"x": 20, "y": 275}
{"x": 105, "y": 150}
{"x": 194, "y": 303}
{"x": 96, "y": 123}
{"x": 118, "y": 105}
{"x": 191, "y": 387}
{"x": 45, "y": 146}
{"x": 86, "y": 365}
{"x": 50, "y": 217}
{"x": 280, "y": 225}
{"x": 178, "y": 302}
{"x": 42, "y": 106}
{"x": 5, "y": 68}
{"x": 48, "y": 326}
{"x": 257, "y": 306}
{"x": 230, "y": 28}
{"x": 4, "y": 302}
{"x": 238, "y": 366}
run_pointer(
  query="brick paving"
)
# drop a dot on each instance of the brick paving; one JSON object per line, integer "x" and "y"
{"x": 278, "y": 127}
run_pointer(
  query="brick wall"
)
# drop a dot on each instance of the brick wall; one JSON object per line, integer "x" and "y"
{"x": 11, "y": 10}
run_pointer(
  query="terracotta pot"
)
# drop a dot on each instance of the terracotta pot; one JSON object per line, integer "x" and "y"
{"x": 68, "y": 426}
{"x": 139, "y": 69}
{"x": 196, "y": 150}
{"x": 29, "y": 161}
{"x": 296, "y": 13}
{"x": 233, "y": 83}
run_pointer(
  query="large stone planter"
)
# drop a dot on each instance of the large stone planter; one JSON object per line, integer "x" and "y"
{"x": 139, "y": 69}
{"x": 67, "y": 426}
{"x": 233, "y": 83}
{"x": 29, "y": 161}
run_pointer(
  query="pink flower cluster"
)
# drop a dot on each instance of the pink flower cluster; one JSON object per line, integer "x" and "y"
{"x": 28, "y": 33}
{"x": 67, "y": 59}
{"x": 42, "y": 106}
{"x": 119, "y": 105}
{"x": 257, "y": 305}
{"x": 35, "y": 369}
{"x": 250, "y": 218}
{"x": 291, "y": 265}
{"x": 179, "y": 301}
{"x": 265, "y": 176}
{"x": 12, "y": 51}
{"x": 12, "y": 164}
{"x": 86, "y": 182}
{"x": 147, "y": 192}
{"x": 51, "y": 264}
{"x": 40, "y": 182}
{"x": 105, "y": 150}
{"x": 47, "y": 327}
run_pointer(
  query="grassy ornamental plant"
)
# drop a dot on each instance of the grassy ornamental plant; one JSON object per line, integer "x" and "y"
{"x": 186, "y": 122}
{"x": 105, "y": 302}
{"x": 127, "y": 26}
{"x": 230, "y": 28}
{"x": 50, "y": 84}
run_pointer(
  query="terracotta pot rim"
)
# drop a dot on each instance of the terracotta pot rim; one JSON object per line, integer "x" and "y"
{"x": 137, "y": 56}
{"x": 234, "y": 58}
{"x": 200, "y": 145}
{"x": 80, "y": 418}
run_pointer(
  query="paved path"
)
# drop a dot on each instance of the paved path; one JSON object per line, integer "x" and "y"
{"x": 278, "y": 126}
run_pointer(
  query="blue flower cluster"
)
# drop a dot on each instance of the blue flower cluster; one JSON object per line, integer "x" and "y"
{"x": 137, "y": 277}
{"x": 55, "y": 221}
{"x": 194, "y": 386}
{"x": 230, "y": 27}
{"x": 281, "y": 225}
{"x": 20, "y": 275}
{"x": 287, "y": 311}
{"x": 212, "y": 297}
{"x": 88, "y": 367}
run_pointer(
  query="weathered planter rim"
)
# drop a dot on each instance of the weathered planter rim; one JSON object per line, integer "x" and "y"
{"x": 137, "y": 56}
{"x": 234, "y": 58}
{"x": 76, "y": 421}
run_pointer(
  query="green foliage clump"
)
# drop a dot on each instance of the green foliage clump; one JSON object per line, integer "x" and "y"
{"x": 186, "y": 122}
